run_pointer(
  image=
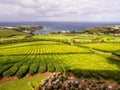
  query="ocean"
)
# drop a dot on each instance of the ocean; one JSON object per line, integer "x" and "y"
{"x": 59, "y": 26}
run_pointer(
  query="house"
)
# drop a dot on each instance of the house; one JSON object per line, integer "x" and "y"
{"x": 8, "y": 27}
{"x": 26, "y": 31}
{"x": 65, "y": 32}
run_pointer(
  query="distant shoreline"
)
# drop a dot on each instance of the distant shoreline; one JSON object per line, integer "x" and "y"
{"x": 60, "y": 26}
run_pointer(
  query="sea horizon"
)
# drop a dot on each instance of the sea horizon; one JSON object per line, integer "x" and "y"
{"x": 54, "y": 26}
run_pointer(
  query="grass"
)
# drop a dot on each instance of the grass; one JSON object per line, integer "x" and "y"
{"x": 21, "y": 84}
{"x": 111, "y": 47}
{"x": 52, "y": 37}
{"x": 12, "y": 38}
{"x": 10, "y": 32}
{"x": 109, "y": 38}
{"x": 40, "y": 47}
{"x": 89, "y": 62}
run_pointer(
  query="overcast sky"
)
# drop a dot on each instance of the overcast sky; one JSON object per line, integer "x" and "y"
{"x": 60, "y": 10}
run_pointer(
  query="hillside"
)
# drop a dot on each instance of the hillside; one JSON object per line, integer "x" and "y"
{"x": 110, "y": 29}
{"x": 10, "y": 32}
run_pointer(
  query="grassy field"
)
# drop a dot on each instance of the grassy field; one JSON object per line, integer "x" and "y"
{"x": 9, "y": 32}
{"x": 9, "y": 36}
{"x": 21, "y": 84}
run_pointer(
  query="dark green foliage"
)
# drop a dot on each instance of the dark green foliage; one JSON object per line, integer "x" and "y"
{"x": 42, "y": 68}
{"x": 22, "y": 71}
{"x": 42, "y": 65}
{"x": 58, "y": 68}
{"x": 4, "y": 68}
{"x": 10, "y": 71}
{"x": 33, "y": 68}
{"x": 51, "y": 67}
{"x": 116, "y": 53}
{"x": 106, "y": 74}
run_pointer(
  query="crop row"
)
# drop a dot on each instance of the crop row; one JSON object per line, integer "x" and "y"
{"x": 43, "y": 49}
{"x": 103, "y": 46}
{"x": 80, "y": 64}
{"x": 106, "y": 74}
{"x": 31, "y": 64}
{"x": 36, "y": 57}
{"x": 14, "y": 45}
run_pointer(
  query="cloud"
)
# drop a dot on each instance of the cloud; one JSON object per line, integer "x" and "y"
{"x": 67, "y": 10}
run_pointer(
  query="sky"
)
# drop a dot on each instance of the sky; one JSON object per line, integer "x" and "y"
{"x": 60, "y": 10}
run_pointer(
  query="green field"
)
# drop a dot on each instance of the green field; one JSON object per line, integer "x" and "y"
{"x": 52, "y": 37}
{"x": 58, "y": 53}
{"x": 110, "y": 47}
{"x": 21, "y": 84}
{"x": 9, "y": 32}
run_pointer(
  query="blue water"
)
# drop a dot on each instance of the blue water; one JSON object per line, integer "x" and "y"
{"x": 59, "y": 26}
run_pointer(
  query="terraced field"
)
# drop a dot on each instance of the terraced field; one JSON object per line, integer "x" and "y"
{"x": 110, "y": 47}
{"x": 52, "y": 37}
{"x": 40, "y": 56}
{"x": 39, "y": 48}
{"x": 32, "y": 57}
